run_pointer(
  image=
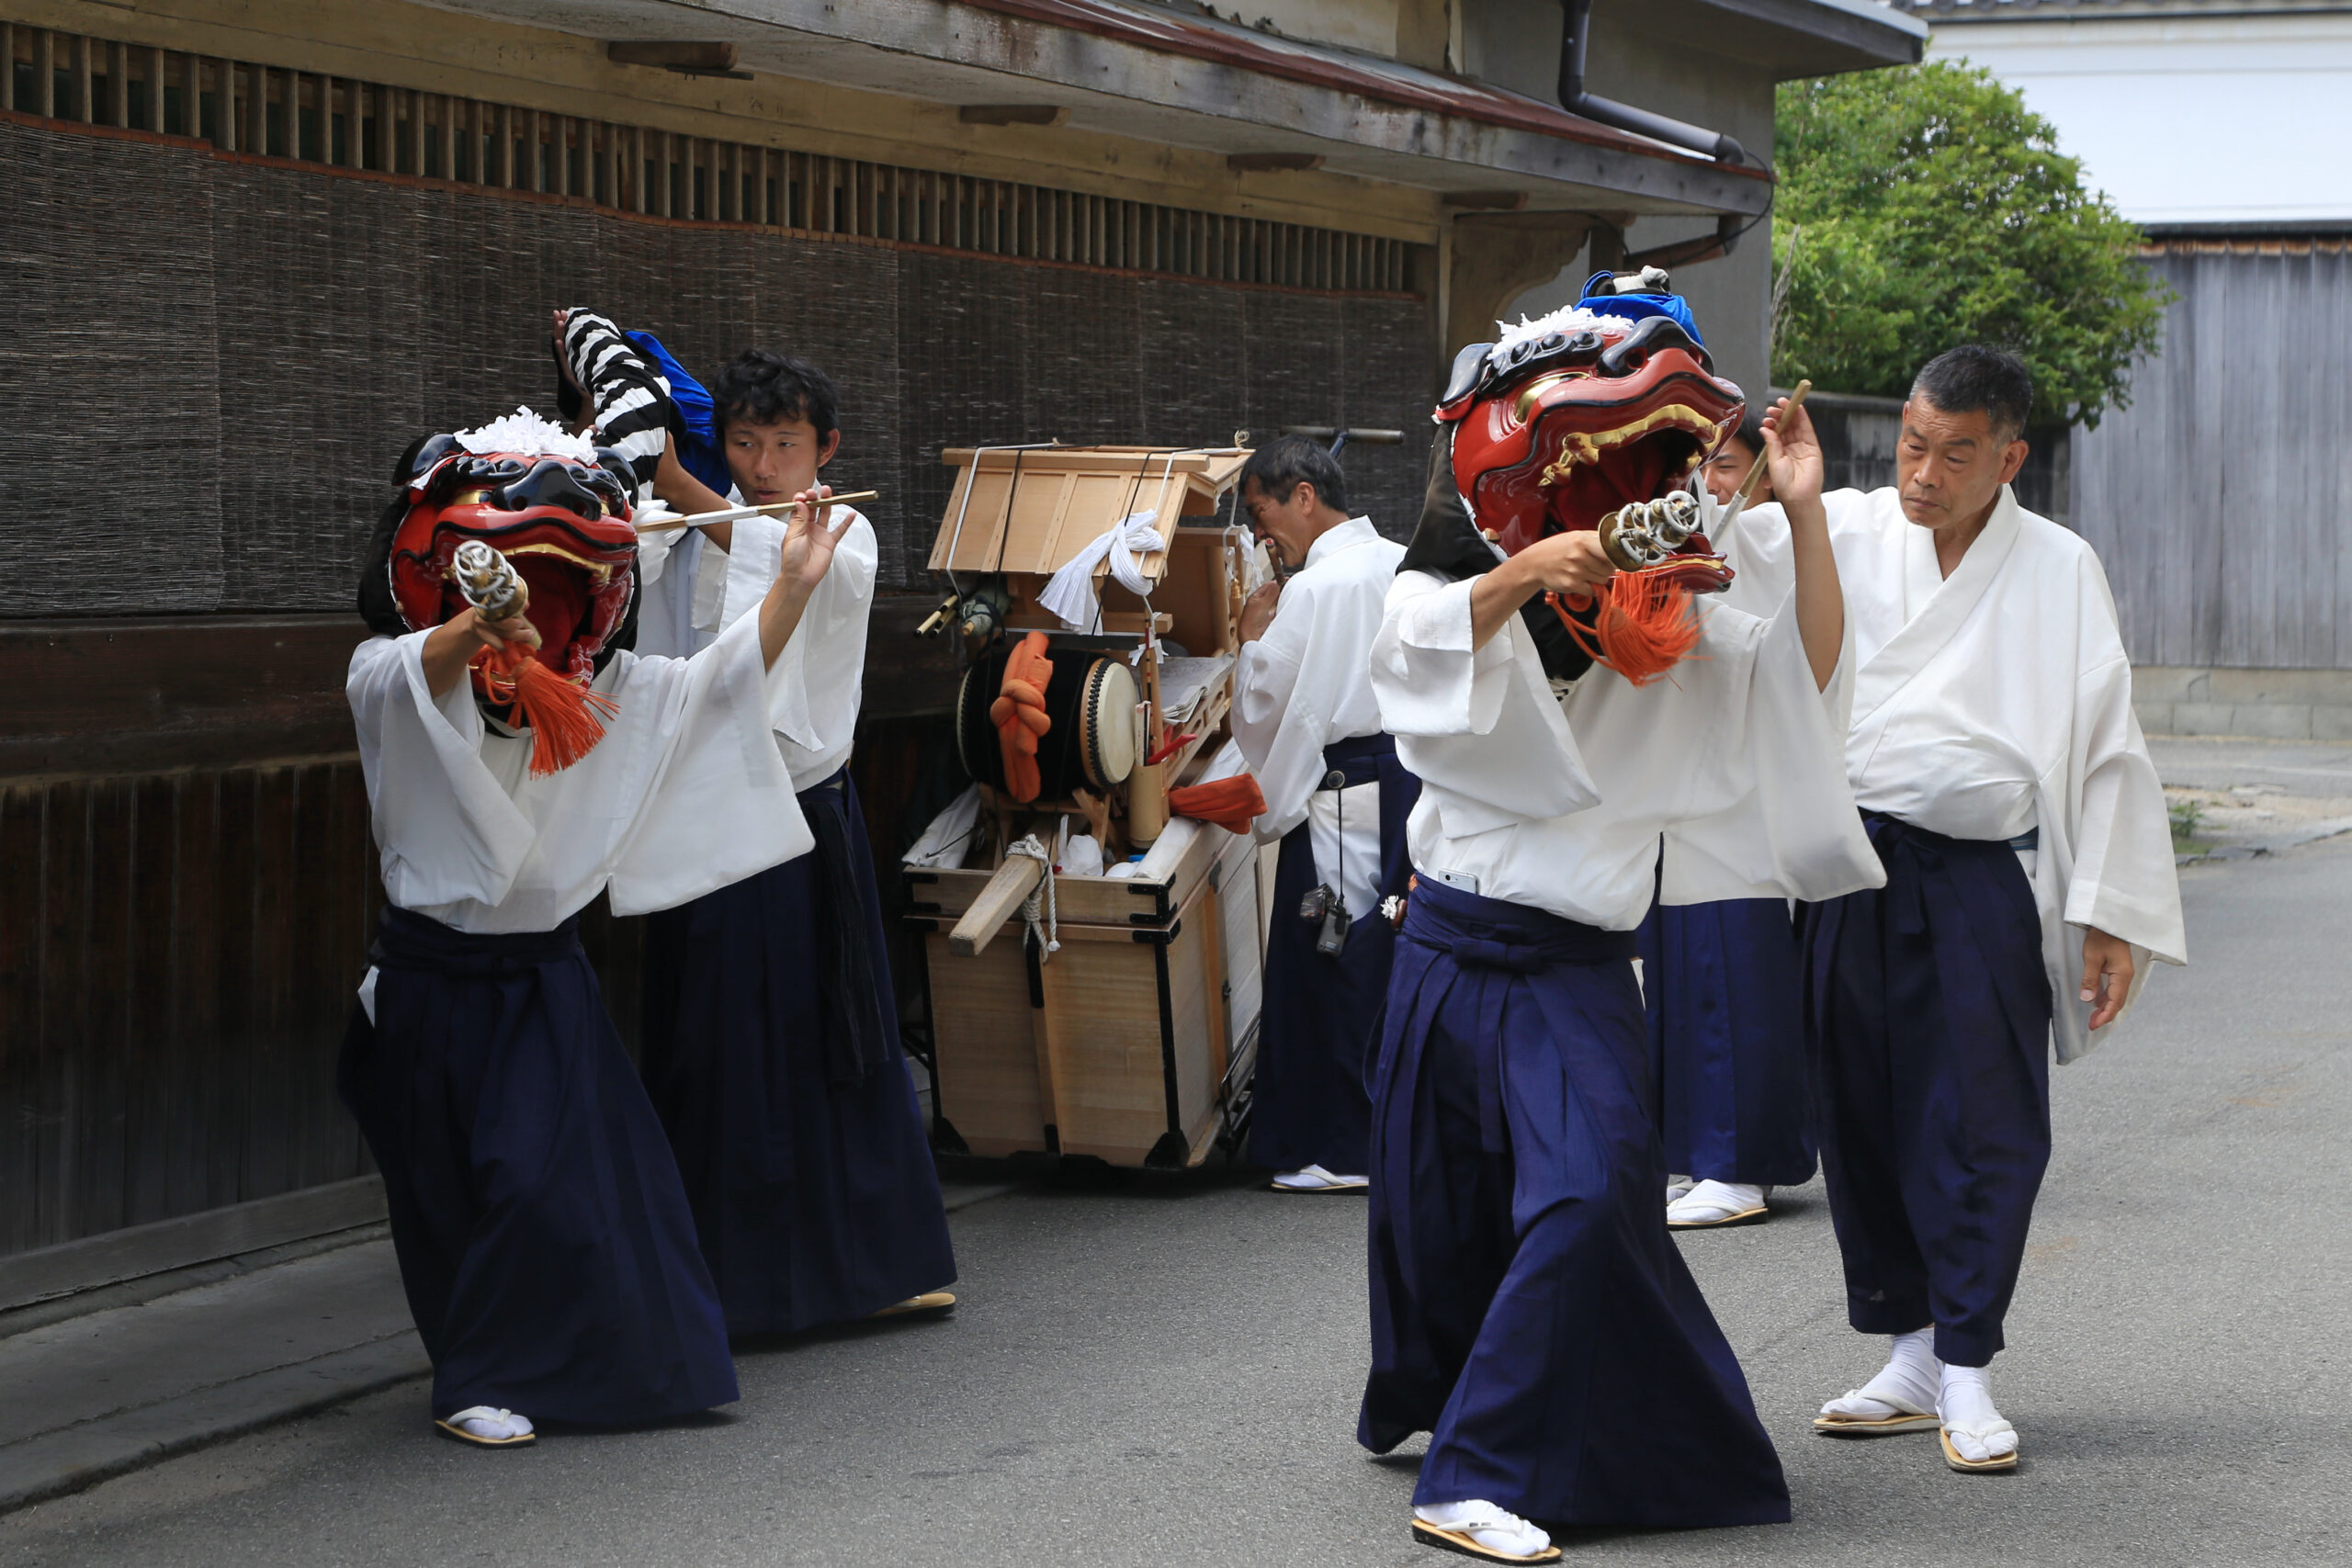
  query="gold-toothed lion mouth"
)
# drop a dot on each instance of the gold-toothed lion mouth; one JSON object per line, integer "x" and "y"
{"x": 599, "y": 572}
{"x": 1581, "y": 448}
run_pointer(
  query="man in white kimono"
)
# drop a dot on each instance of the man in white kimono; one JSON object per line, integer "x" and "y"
{"x": 1529, "y": 1309}
{"x": 2028, "y": 855}
{"x": 770, "y": 1034}
{"x": 1336, "y": 800}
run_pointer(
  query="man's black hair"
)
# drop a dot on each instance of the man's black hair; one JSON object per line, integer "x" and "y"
{"x": 1973, "y": 378}
{"x": 761, "y": 387}
{"x": 1282, "y": 465}
{"x": 1750, "y": 432}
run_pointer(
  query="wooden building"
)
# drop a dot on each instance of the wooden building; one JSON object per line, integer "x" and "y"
{"x": 254, "y": 250}
{"x": 2218, "y": 498}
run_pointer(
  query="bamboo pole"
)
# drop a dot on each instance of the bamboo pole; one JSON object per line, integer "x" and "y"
{"x": 736, "y": 514}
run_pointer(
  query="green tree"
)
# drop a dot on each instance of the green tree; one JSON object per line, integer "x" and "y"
{"x": 1936, "y": 210}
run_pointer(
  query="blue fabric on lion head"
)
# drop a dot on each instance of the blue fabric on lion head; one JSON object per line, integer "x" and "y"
{"x": 1635, "y": 307}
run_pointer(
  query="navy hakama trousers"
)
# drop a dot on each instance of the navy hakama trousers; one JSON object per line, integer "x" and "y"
{"x": 1310, "y": 1104}
{"x": 544, "y": 1243}
{"x": 1725, "y": 990}
{"x": 771, "y": 1050}
{"x": 1529, "y": 1310}
{"x": 1928, "y": 1009}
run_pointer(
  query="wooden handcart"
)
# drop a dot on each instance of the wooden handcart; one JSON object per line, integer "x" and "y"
{"x": 1133, "y": 1042}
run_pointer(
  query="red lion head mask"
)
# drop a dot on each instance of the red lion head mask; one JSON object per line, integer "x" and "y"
{"x": 1597, "y": 416}
{"x": 558, "y": 511}
{"x": 550, "y": 508}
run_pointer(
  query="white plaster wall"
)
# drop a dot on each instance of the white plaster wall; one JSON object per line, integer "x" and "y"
{"x": 1729, "y": 297}
{"x": 2194, "y": 119}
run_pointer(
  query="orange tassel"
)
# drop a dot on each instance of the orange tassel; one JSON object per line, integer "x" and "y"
{"x": 566, "y": 720}
{"x": 1019, "y": 714}
{"x": 1646, "y": 625}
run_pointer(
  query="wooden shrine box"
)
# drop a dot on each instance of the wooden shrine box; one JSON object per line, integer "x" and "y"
{"x": 1135, "y": 1040}
{"x": 1133, "y": 1043}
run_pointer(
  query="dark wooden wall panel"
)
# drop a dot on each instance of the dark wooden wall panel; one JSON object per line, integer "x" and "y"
{"x": 177, "y": 954}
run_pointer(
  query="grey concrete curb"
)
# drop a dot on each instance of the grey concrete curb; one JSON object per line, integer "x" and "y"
{"x": 2310, "y": 833}
{"x": 152, "y": 1287}
{"x": 56, "y": 1463}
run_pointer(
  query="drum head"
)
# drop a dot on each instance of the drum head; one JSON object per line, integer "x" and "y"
{"x": 1109, "y": 717}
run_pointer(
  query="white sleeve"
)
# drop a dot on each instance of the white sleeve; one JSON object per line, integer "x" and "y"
{"x": 754, "y": 554}
{"x": 653, "y": 554}
{"x": 447, "y": 832}
{"x": 1761, "y": 806}
{"x": 1758, "y": 549}
{"x": 706, "y": 611}
{"x": 1763, "y": 560}
{"x": 820, "y": 679}
{"x": 1275, "y": 721}
{"x": 1429, "y": 678}
{"x": 2123, "y": 882}
{"x": 720, "y": 805}
{"x": 1479, "y": 726}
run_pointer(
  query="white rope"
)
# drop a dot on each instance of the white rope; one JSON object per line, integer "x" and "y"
{"x": 1048, "y": 934}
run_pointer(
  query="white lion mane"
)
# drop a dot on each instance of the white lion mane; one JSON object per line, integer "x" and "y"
{"x": 526, "y": 435}
{"x": 1566, "y": 318}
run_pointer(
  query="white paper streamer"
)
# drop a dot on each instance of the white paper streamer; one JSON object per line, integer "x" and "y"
{"x": 1071, "y": 592}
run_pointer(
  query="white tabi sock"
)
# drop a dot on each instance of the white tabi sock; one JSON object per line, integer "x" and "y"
{"x": 1495, "y": 1529}
{"x": 1676, "y": 1186}
{"x": 492, "y": 1424}
{"x": 1910, "y": 1375}
{"x": 1964, "y": 1405}
{"x": 1315, "y": 1179}
{"x": 1714, "y": 1201}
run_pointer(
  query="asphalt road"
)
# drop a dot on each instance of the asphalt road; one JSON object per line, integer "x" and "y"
{"x": 1166, "y": 1374}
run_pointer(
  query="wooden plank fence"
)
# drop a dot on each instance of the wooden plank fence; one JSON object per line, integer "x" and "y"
{"x": 2221, "y": 500}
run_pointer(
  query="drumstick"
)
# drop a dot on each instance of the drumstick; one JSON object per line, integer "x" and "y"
{"x": 736, "y": 514}
{"x": 1756, "y": 470}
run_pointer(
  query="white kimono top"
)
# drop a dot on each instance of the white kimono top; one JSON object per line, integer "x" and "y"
{"x": 693, "y": 590}
{"x": 684, "y": 794}
{"x": 1306, "y": 683}
{"x": 1557, "y": 800}
{"x": 1999, "y": 700}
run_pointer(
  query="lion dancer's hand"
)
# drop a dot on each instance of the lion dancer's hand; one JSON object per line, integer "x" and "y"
{"x": 808, "y": 546}
{"x": 452, "y": 646}
{"x": 565, "y": 717}
{"x": 1563, "y": 564}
